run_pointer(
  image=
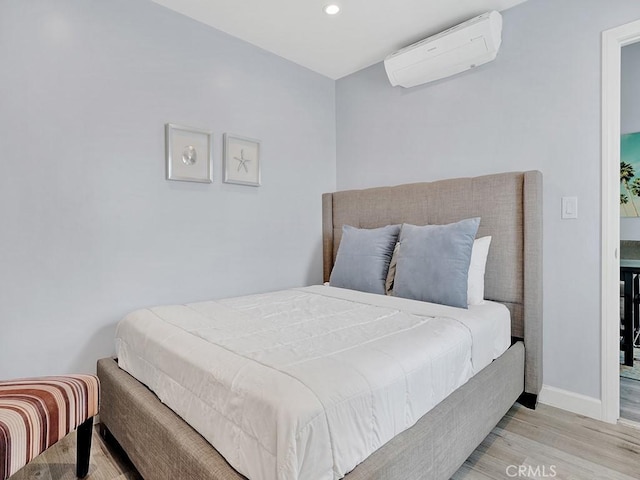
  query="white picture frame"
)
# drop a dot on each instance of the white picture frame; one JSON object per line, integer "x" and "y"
{"x": 241, "y": 160}
{"x": 188, "y": 154}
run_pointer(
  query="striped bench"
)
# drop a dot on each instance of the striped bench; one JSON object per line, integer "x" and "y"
{"x": 37, "y": 412}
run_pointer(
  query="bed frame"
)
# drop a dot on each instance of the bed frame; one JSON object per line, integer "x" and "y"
{"x": 162, "y": 446}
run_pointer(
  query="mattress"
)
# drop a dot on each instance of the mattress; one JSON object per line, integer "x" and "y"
{"x": 307, "y": 383}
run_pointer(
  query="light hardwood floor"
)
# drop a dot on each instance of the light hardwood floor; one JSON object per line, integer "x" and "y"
{"x": 630, "y": 399}
{"x": 553, "y": 443}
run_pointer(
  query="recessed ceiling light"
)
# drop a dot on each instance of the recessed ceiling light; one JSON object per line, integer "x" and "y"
{"x": 331, "y": 8}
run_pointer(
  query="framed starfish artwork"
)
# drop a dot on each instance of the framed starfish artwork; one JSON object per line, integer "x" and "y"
{"x": 241, "y": 160}
{"x": 188, "y": 154}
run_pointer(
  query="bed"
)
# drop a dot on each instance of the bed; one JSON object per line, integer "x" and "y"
{"x": 162, "y": 445}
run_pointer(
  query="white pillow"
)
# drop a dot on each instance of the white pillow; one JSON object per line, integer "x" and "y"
{"x": 391, "y": 275}
{"x": 475, "y": 280}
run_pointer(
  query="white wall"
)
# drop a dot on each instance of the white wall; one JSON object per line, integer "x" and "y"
{"x": 536, "y": 107}
{"x": 630, "y": 118}
{"x": 89, "y": 227}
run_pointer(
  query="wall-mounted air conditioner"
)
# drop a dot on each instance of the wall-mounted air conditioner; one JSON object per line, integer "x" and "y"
{"x": 455, "y": 50}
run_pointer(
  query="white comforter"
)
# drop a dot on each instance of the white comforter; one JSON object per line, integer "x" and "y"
{"x": 305, "y": 383}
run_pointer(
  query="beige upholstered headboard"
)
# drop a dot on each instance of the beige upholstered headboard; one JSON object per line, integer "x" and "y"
{"x": 510, "y": 207}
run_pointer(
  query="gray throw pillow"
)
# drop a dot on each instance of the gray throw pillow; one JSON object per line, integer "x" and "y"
{"x": 363, "y": 258}
{"x": 433, "y": 262}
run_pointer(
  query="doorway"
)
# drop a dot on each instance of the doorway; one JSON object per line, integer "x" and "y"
{"x": 630, "y": 232}
{"x": 612, "y": 42}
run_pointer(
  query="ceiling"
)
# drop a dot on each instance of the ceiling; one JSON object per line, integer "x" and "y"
{"x": 363, "y": 33}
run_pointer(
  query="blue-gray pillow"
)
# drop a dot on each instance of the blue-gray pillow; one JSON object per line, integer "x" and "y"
{"x": 433, "y": 262}
{"x": 363, "y": 258}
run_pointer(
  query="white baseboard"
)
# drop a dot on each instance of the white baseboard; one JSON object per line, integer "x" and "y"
{"x": 573, "y": 402}
{"x": 629, "y": 423}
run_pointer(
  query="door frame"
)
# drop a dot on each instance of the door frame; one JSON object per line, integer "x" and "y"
{"x": 612, "y": 42}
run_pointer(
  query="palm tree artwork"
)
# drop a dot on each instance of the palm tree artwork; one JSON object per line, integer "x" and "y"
{"x": 627, "y": 173}
{"x": 629, "y": 183}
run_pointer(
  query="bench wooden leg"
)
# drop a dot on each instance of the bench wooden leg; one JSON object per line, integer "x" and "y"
{"x": 84, "y": 448}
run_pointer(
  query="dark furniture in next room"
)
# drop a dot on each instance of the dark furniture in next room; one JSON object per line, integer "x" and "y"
{"x": 630, "y": 319}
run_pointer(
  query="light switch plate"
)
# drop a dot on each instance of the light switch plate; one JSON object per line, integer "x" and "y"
{"x": 569, "y": 207}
